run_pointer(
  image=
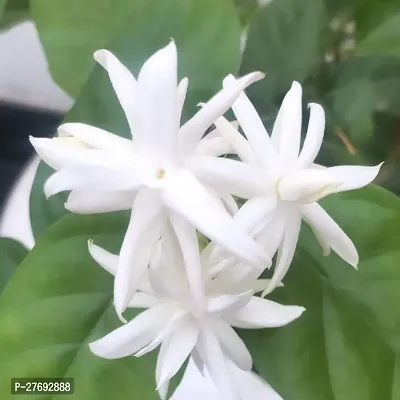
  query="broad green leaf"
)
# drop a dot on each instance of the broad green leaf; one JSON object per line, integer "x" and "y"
{"x": 2, "y": 6}
{"x": 11, "y": 255}
{"x": 384, "y": 39}
{"x": 44, "y": 212}
{"x": 284, "y": 42}
{"x": 345, "y": 346}
{"x": 57, "y": 302}
{"x": 207, "y": 36}
{"x": 15, "y": 11}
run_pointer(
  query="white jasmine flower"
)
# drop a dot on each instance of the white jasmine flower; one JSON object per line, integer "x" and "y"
{"x": 296, "y": 183}
{"x": 158, "y": 174}
{"x": 175, "y": 323}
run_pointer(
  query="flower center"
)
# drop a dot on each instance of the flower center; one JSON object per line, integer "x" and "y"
{"x": 160, "y": 174}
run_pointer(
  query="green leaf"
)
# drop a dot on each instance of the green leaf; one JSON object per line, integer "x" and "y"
{"x": 207, "y": 36}
{"x": 57, "y": 302}
{"x": 11, "y": 255}
{"x": 346, "y": 344}
{"x": 15, "y": 11}
{"x": 384, "y": 39}
{"x": 44, "y": 212}
{"x": 284, "y": 42}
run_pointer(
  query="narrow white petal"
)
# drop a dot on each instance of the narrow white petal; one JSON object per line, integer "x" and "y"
{"x": 234, "y": 177}
{"x": 162, "y": 388}
{"x": 249, "y": 379}
{"x": 94, "y": 178}
{"x": 66, "y": 152}
{"x": 95, "y": 138}
{"x": 354, "y": 176}
{"x": 144, "y": 230}
{"x": 286, "y": 133}
{"x": 180, "y": 346}
{"x": 270, "y": 237}
{"x": 186, "y": 196}
{"x": 286, "y": 249}
{"x": 103, "y": 257}
{"x": 216, "y": 363}
{"x": 87, "y": 202}
{"x": 253, "y": 127}
{"x": 307, "y": 185}
{"x": 230, "y": 203}
{"x": 122, "y": 81}
{"x": 256, "y": 213}
{"x": 213, "y": 147}
{"x": 188, "y": 241}
{"x": 226, "y": 303}
{"x": 182, "y": 90}
{"x": 156, "y": 103}
{"x": 315, "y": 134}
{"x": 144, "y": 300}
{"x": 263, "y": 313}
{"x": 191, "y": 133}
{"x": 240, "y": 145}
{"x": 174, "y": 324}
{"x": 129, "y": 338}
{"x": 331, "y": 233}
{"x": 233, "y": 345}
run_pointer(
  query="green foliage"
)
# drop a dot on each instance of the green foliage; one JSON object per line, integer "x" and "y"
{"x": 11, "y": 255}
{"x": 207, "y": 34}
{"x": 346, "y": 344}
{"x": 15, "y": 11}
{"x": 56, "y": 303}
{"x": 284, "y": 42}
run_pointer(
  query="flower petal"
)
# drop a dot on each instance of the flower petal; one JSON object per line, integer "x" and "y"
{"x": 122, "y": 81}
{"x": 94, "y": 178}
{"x": 353, "y": 176}
{"x": 287, "y": 128}
{"x": 193, "y": 130}
{"x": 253, "y": 127}
{"x": 59, "y": 153}
{"x": 216, "y": 363}
{"x": 263, "y": 313}
{"x": 129, "y": 338}
{"x": 226, "y": 303}
{"x": 182, "y": 90}
{"x": 162, "y": 388}
{"x": 186, "y": 196}
{"x": 188, "y": 241}
{"x": 95, "y": 138}
{"x": 330, "y": 232}
{"x": 240, "y": 145}
{"x": 144, "y": 230}
{"x": 314, "y": 136}
{"x": 144, "y": 300}
{"x": 286, "y": 249}
{"x": 307, "y": 185}
{"x": 213, "y": 147}
{"x": 86, "y": 202}
{"x": 231, "y": 176}
{"x": 233, "y": 345}
{"x": 156, "y": 104}
{"x": 180, "y": 346}
{"x": 104, "y": 258}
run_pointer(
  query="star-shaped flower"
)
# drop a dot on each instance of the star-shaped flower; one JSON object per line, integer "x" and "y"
{"x": 295, "y": 183}
{"x": 176, "y": 324}
{"x": 162, "y": 174}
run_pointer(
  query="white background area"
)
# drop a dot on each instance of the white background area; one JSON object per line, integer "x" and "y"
{"x": 25, "y": 79}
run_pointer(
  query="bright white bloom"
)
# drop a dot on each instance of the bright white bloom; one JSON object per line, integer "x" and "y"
{"x": 175, "y": 323}
{"x": 164, "y": 172}
{"x": 295, "y": 183}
